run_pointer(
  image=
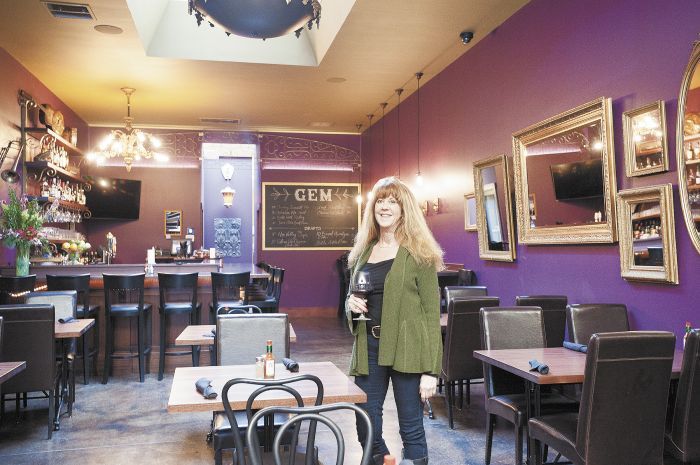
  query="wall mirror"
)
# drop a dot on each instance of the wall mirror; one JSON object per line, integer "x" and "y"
{"x": 173, "y": 223}
{"x": 470, "y": 212}
{"x": 688, "y": 146}
{"x": 565, "y": 177}
{"x": 647, "y": 236}
{"x": 494, "y": 213}
{"x": 645, "y": 140}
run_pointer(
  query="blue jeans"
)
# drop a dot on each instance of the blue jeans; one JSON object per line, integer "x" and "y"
{"x": 408, "y": 404}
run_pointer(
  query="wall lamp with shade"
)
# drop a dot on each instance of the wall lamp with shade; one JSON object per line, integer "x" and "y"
{"x": 11, "y": 176}
{"x": 227, "y": 192}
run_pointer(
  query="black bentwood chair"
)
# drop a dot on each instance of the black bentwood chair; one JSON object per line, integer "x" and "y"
{"x": 462, "y": 338}
{"x": 683, "y": 430}
{"x": 554, "y": 314}
{"x": 623, "y": 403}
{"x": 261, "y": 429}
{"x": 513, "y": 328}
{"x": 313, "y": 415}
{"x": 81, "y": 284}
{"x": 124, "y": 299}
{"x": 177, "y": 294}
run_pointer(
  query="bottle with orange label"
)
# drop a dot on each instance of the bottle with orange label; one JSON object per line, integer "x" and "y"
{"x": 269, "y": 371}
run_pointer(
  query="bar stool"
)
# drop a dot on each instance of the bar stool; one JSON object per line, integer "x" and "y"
{"x": 81, "y": 284}
{"x": 13, "y": 289}
{"x": 178, "y": 294}
{"x": 124, "y": 299}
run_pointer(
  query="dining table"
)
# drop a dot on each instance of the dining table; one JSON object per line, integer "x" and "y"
{"x": 65, "y": 332}
{"x": 10, "y": 369}
{"x": 184, "y": 398}
{"x": 565, "y": 367}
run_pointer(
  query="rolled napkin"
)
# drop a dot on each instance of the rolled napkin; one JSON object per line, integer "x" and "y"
{"x": 205, "y": 388}
{"x": 577, "y": 347}
{"x": 540, "y": 367}
{"x": 290, "y": 365}
{"x": 213, "y": 332}
{"x": 68, "y": 319}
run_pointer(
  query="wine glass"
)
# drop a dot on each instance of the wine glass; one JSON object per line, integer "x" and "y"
{"x": 362, "y": 284}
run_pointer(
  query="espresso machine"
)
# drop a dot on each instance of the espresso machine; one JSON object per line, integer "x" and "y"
{"x": 184, "y": 248}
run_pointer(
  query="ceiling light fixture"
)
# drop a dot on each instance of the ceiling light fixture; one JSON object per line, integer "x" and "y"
{"x": 398, "y": 127}
{"x": 419, "y": 178}
{"x": 130, "y": 144}
{"x": 257, "y": 19}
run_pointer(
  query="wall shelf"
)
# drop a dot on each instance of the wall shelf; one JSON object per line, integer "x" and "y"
{"x": 65, "y": 143}
{"x": 48, "y": 168}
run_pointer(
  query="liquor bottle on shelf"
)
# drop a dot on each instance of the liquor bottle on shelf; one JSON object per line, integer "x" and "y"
{"x": 45, "y": 188}
{"x": 269, "y": 361}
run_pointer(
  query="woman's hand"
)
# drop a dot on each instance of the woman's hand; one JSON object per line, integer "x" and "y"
{"x": 428, "y": 386}
{"x": 357, "y": 304}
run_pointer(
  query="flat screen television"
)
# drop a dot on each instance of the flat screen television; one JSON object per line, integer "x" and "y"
{"x": 113, "y": 199}
{"x": 578, "y": 180}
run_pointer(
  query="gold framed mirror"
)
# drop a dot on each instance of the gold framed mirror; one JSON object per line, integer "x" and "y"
{"x": 647, "y": 235}
{"x": 567, "y": 163}
{"x": 173, "y": 223}
{"x": 645, "y": 137}
{"x": 494, "y": 211}
{"x": 688, "y": 146}
{"x": 470, "y": 212}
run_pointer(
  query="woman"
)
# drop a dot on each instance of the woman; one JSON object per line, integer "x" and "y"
{"x": 402, "y": 340}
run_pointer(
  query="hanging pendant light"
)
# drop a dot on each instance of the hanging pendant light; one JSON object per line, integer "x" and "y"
{"x": 398, "y": 127}
{"x": 419, "y": 177}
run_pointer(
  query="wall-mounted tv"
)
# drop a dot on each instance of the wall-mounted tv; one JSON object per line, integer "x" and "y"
{"x": 113, "y": 199}
{"x": 578, "y": 180}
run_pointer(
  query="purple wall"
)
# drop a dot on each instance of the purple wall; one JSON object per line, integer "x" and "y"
{"x": 311, "y": 278}
{"x": 548, "y": 58}
{"x": 14, "y": 77}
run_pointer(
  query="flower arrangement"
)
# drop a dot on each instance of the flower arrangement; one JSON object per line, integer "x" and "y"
{"x": 20, "y": 226}
{"x": 75, "y": 249}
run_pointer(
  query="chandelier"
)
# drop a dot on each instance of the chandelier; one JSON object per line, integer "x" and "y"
{"x": 257, "y": 19}
{"x": 130, "y": 144}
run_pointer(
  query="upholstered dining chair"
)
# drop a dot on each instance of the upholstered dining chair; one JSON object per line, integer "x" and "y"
{"x": 311, "y": 414}
{"x": 513, "y": 328}
{"x": 451, "y": 292}
{"x": 29, "y": 336}
{"x": 583, "y": 320}
{"x": 233, "y": 439}
{"x": 682, "y": 438}
{"x": 462, "y": 338}
{"x": 623, "y": 403}
{"x": 466, "y": 277}
{"x": 554, "y": 314}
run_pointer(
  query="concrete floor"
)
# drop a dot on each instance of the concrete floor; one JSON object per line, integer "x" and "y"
{"x": 126, "y": 422}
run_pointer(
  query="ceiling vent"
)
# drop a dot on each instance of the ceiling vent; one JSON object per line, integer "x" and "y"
{"x": 220, "y": 120}
{"x": 69, "y": 10}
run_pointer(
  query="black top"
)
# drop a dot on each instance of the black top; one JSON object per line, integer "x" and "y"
{"x": 378, "y": 272}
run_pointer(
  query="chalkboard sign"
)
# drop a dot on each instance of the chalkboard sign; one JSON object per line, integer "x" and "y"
{"x": 309, "y": 216}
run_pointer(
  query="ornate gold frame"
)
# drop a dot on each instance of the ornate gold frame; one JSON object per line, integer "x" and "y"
{"x": 680, "y": 147}
{"x": 626, "y": 200}
{"x": 481, "y": 227}
{"x": 603, "y": 232}
{"x": 631, "y": 154}
{"x": 468, "y": 226}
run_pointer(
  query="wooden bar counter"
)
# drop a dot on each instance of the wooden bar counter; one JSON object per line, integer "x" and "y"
{"x": 125, "y": 329}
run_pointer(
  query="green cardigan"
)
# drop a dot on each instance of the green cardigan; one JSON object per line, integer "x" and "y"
{"x": 411, "y": 340}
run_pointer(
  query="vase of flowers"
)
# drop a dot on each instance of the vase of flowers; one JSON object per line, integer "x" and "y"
{"x": 20, "y": 228}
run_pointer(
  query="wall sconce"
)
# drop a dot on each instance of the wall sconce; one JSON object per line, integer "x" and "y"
{"x": 227, "y": 171}
{"x": 228, "y": 194}
{"x": 436, "y": 205}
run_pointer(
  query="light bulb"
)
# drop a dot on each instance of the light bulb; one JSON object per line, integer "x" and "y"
{"x": 140, "y": 136}
{"x": 155, "y": 142}
{"x": 358, "y": 199}
{"x": 419, "y": 179}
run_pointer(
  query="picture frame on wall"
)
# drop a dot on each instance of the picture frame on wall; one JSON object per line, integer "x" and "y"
{"x": 646, "y": 147}
{"x": 173, "y": 223}
{"x": 470, "y": 212}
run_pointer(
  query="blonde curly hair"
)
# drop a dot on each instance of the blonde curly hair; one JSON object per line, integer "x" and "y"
{"x": 412, "y": 232}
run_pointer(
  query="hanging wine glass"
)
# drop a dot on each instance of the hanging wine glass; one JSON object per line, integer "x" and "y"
{"x": 362, "y": 285}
